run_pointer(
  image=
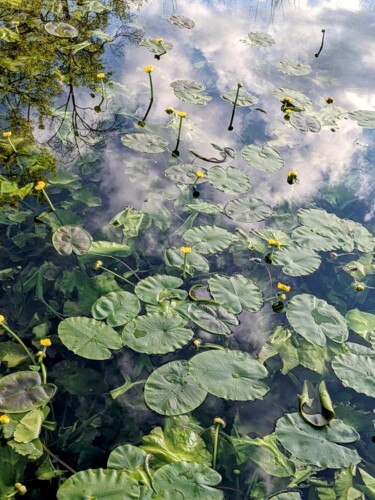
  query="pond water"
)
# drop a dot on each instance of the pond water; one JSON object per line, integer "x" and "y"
{"x": 187, "y": 210}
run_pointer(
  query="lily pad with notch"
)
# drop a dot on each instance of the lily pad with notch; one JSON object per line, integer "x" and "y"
{"x": 244, "y": 98}
{"x": 258, "y": 39}
{"x": 154, "y": 47}
{"x": 363, "y": 118}
{"x": 293, "y": 67}
{"x": 236, "y": 293}
{"x": 304, "y": 122}
{"x": 299, "y": 100}
{"x": 248, "y": 209}
{"x": 159, "y": 287}
{"x": 61, "y": 30}
{"x": 297, "y": 261}
{"x": 145, "y": 143}
{"x": 207, "y": 239}
{"x": 190, "y": 91}
{"x": 230, "y": 180}
{"x": 211, "y": 318}
{"x": 173, "y": 257}
{"x": 23, "y": 391}
{"x": 71, "y": 239}
{"x": 356, "y": 371}
{"x": 184, "y": 173}
{"x": 262, "y": 158}
{"x": 181, "y": 22}
{"x": 117, "y": 308}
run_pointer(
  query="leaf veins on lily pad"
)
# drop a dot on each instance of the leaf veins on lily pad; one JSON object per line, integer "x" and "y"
{"x": 258, "y": 39}
{"x": 145, "y": 143}
{"x": 190, "y": 91}
{"x": 62, "y": 30}
{"x": 291, "y": 67}
{"x": 182, "y": 22}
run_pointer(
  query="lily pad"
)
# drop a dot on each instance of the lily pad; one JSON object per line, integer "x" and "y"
{"x": 297, "y": 261}
{"x": 293, "y": 67}
{"x": 356, "y": 371}
{"x": 173, "y": 257}
{"x": 207, "y": 239}
{"x": 314, "y": 319}
{"x": 154, "y": 47}
{"x": 184, "y": 173}
{"x": 230, "y": 180}
{"x": 190, "y": 91}
{"x": 89, "y": 338}
{"x": 204, "y": 207}
{"x": 118, "y": 308}
{"x": 171, "y": 390}
{"x": 29, "y": 426}
{"x": 299, "y": 100}
{"x": 232, "y": 375}
{"x": 248, "y": 209}
{"x": 157, "y": 333}
{"x": 213, "y": 319}
{"x": 23, "y": 391}
{"x": 182, "y": 22}
{"x": 62, "y": 30}
{"x": 71, "y": 239}
{"x": 263, "y": 158}
{"x": 236, "y": 293}
{"x": 244, "y": 98}
{"x": 109, "y": 484}
{"x": 258, "y": 39}
{"x": 316, "y": 405}
{"x": 363, "y": 118}
{"x": 159, "y": 287}
{"x": 318, "y": 446}
{"x": 305, "y": 123}
{"x": 363, "y": 323}
{"x": 145, "y": 143}
{"x": 187, "y": 480}
{"x": 307, "y": 238}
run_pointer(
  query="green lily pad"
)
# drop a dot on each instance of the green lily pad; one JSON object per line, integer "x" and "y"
{"x": 61, "y": 30}
{"x": 293, "y": 67}
{"x": 248, "y": 209}
{"x": 190, "y": 91}
{"x": 95, "y": 6}
{"x": 307, "y": 238}
{"x": 100, "y": 484}
{"x": 173, "y": 257}
{"x": 145, "y": 143}
{"x": 362, "y": 323}
{"x": 29, "y": 426}
{"x": 318, "y": 446}
{"x": 207, "y": 239}
{"x": 213, "y": 319}
{"x": 230, "y": 180}
{"x": 316, "y": 405}
{"x": 171, "y": 390}
{"x": 182, "y": 22}
{"x": 184, "y": 173}
{"x": 363, "y": 118}
{"x": 159, "y": 287}
{"x": 204, "y": 207}
{"x": 71, "y": 239}
{"x": 314, "y": 319}
{"x": 262, "y": 158}
{"x": 356, "y": 371}
{"x": 187, "y": 480}
{"x": 297, "y": 261}
{"x": 118, "y": 308}
{"x": 157, "y": 333}
{"x": 299, "y": 100}
{"x": 244, "y": 98}
{"x": 305, "y": 123}
{"x": 23, "y": 391}
{"x": 156, "y": 48}
{"x": 236, "y": 293}
{"x": 258, "y": 39}
{"x": 232, "y": 375}
{"x": 126, "y": 457}
{"x": 89, "y": 338}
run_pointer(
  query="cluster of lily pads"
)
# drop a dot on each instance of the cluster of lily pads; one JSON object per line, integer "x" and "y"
{"x": 123, "y": 355}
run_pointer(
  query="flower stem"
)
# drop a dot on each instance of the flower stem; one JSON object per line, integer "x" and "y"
{"x": 184, "y": 266}
{"x": 117, "y": 275}
{"x": 11, "y": 143}
{"x": 239, "y": 85}
{"x": 216, "y": 441}
{"x": 17, "y": 339}
{"x": 176, "y": 152}
{"x": 151, "y": 98}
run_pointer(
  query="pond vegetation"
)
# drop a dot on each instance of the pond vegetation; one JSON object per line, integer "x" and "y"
{"x": 212, "y": 340}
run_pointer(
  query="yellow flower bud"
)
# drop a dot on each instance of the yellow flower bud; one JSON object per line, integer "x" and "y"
{"x": 159, "y": 41}
{"x": 7, "y": 134}
{"x": 282, "y": 296}
{"x": 284, "y": 288}
{"x": 329, "y": 100}
{"x": 359, "y": 287}
{"x": 199, "y": 174}
{"x": 4, "y": 419}
{"x": 2, "y": 319}
{"x": 45, "y": 342}
{"x": 274, "y": 243}
{"x": 149, "y": 69}
{"x": 98, "y": 264}
{"x": 15, "y": 22}
{"x": 100, "y": 75}
{"x": 219, "y": 421}
{"x": 169, "y": 110}
{"x": 39, "y": 186}
{"x": 292, "y": 177}
{"x": 181, "y": 114}
{"x": 41, "y": 354}
{"x": 287, "y": 99}
{"x": 186, "y": 250}
{"x": 21, "y": 488}
{"x": 197, "y": 343}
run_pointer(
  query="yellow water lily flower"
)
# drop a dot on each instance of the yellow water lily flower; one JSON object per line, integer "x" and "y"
{"x": 359, "y": 287}
{"x": 219, "y": 421}
{"x": 182, "y": 114}
{"x": 186, "y": 250}
{"x": 21, "y": 488}
{"x": 98, "y": 264}
{"x": 284, "y": 288}
{"x": 4, "y": 419}
{"x": 100, "y": 75}
{"x": 39, "y": 186}
{"x": 7, "y": 134}
{"x": 158, "y": 41}
{"x": 45, "y": 342}
{"x": 287, "y": 99}
{"x": 2, "y": 319}
{"x": 274, "y": 243}
{"x": 199, "y": 174}
{"x": 149, "y": 69}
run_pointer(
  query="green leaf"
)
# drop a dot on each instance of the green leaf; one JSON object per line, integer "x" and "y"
{"x": 369, "y": 482}
{"x": 23, "y": 391}
{"x": 316, "y": 412}
{"x": 363, "y": 118}
{"x": 299, "y": 100}
{"x": 32, "y": 450}
{"x": 258, "y": 39}
{"x": 12, "y": 354}
{"x": 265, "y": 453}
{"x": 157, "y": 333}
{"x": 248, "y": 209}
{"x": 126, "y": 457}
{"x": 89, "y": 338}
{"x": 190, "y": 91}
{"x": 145, "y": 143}
{"x": 184, "y": 173}
{"x": 356, "y": 371}
{"x": 173, "y": 257}
{"x": 263, "y": 158}
{"x": 29, "y": 426}
{"x": 362, "y": 323}
{"x": 280, "y": 343}
{"x": 186, "y": 480}
{"x": 237, "y": 372}
{"x": 61, "y": 30}
{"x": 314, "y": 319}
{"x": 230, "y": 180}
{"x": 159, "y": 287}
{"x": 182, "y": 22}
{"x": 118, "y": 308}
{"x": 317, "y": 446}
{"x": 243, "y": 99}
{"x": 95, "y": 6}
{"x": 75, "y": 49}
{"x": 170, "y": 389}
{"x": 307, "y": 238}
{"x": 293, "y": 67}
{"x": 8, "y": 35}
{"x": 156, "y": 48}
{"x": 305, "y": 123}
{"x": 99, "y": 484}
{"x": 71, "y": 239}
{"x": 204, "y": 207}
{"x": 297, "y": 261}
{"x": 207, "y": 239}
{"x": 210, "y": 318}
{"x": 106, "y": 249}
{"x": 236, "y": 293}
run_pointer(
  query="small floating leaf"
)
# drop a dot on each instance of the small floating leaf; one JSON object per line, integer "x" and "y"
{"x": 145, "y": 143}
{"x": 258, "y": 39}
{"x": 71, "y": 239}
{"x": 118, "y": 308}
{"x": 207, "y": 239}
{"x": 299, "y": 100}
{"x": 244, "y": 98}
{"x": 263, "y": 158}
{"x": 230, "y": 180}
{"x": 154, "y": 47}
{"x": 159, "y": 287}
{"x": 248, "y": 209}
{"x": 194, "y": 261}
{"x": 183, "y": 173}
{"x": 182, "y": 22}
{"x": 297, "y": 261}
{"x": 62, "y": 30}
{"x": 292, "y": 67}
{"x": 170, "y": 389}
{"x": 189, "y": 91}
{"x": 305, "y": 123}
